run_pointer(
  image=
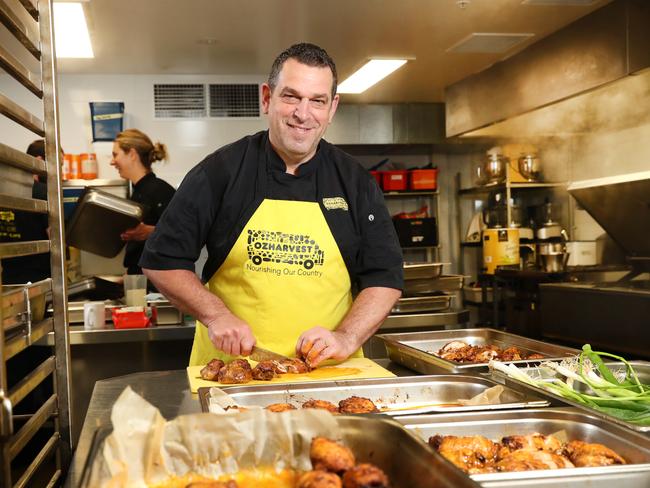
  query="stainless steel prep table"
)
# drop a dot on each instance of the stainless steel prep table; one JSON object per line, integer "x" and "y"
{"x": 169, "y": 391}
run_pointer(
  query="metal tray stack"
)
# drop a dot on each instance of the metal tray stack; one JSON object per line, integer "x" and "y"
{"x": 24, "y": 305}
{"x": 426, "y": 289}
{"x": 577, "y": 425}
{"x": 383, "y": 442}
{"x": 393, "y": 396}
{"x": 416, "y": 350}
{"x": 641, "y": 367}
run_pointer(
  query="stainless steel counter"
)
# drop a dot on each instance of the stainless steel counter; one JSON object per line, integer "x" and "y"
{"x": 169, "y": 391}
{"x": 80, "y": 335}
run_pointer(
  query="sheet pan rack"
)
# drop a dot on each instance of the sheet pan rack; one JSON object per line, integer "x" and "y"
{"x": 31, "y": 24}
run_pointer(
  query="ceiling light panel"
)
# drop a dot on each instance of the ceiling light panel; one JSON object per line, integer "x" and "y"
{"x": 561, "y": 3}
{"x": 71, "y": 31}
{"x": 369, "y": 74}
{"x": 489, "y": 42}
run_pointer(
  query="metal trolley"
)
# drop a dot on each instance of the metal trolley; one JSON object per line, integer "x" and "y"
{"x": 30, "y": 22}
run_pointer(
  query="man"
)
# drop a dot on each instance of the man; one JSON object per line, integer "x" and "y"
{"x": 290, "y": 222}
{"x": 18, "y": 225}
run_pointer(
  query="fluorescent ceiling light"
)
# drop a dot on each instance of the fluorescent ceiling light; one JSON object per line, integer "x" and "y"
{"x": 370, "y": 73}
{"x": 71, "y": 31}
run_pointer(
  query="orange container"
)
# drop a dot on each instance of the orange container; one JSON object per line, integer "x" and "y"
{"x": 394, "y": 180}
{"x": 89, "y": 166}
{"x": 423, "y": 179}
{"x": 67, "y": 165}
{"x": 133, "y": 320}
{"x": 75, "y": 166}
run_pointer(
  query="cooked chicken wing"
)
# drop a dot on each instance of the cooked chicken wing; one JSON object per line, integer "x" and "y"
{"x": 328, "y": 455}
{"x": 280, "y": 407}
{"x": 365, "y": 476}
{"x": 322, "y": 405}
{"x": 472, "y": 454}
{"x": 584, "y": 454}
{"x": 264, "y": 371}
{"x": 355, "y": 404}
{"x": 211, "y": 370}
{"x": 529, "y": 459}
{"x": 535, "y": 441}
{"x": 212, "y": 484}
{"x": 292, "y": 365}
{"x": 482, "y": 354}
{"x": 319, "y": 479}
{"x": 454, "y": 350}
{"x": 535, "y": 356}
{"x": 511, "y": 354}
{"x": 236, "y": 371}
{"x": 462, "y": 352}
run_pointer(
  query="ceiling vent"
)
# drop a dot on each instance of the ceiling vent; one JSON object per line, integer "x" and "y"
{"x": 489, "y": 42}
{"x": 234, "y": 100}
{"x": 561, "y": 3}
{"x": 179, "y": 101}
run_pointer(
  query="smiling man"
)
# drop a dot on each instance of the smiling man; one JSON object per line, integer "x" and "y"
{"x": 292, "y": 226}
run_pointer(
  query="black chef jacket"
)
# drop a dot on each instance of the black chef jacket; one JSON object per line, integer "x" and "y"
{"x": 218, "y": 197}
{"x": 18, "y": 226}
{"x": 154, "y": 195}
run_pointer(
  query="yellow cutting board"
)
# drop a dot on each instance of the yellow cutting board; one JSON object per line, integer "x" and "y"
{"x": 351, "y": 369}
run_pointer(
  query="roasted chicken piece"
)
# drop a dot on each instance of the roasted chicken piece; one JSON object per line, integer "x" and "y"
{"x": 482, "y": 354}
{"x": 365, "y": 475}
{"x": 511, "y": 354}
{"x": 535, "y": 356}
{"x": 584, "y": 454}
{"x": 328, "y": 455}
{"x": 212, "y": 484}
{"x": 535, "y": 441}
{"x": 530, "y": 459}
{"x": 264, "y": 371}
{"x": 291, "y": 365}
{"x": 454, "y": 351}
{"x": 211, "y": 370}
{"x": 355, "y": 404}
{"x": 279, "y": 407}
{"x": 472, "y": 454}
{"x": 236, "y": 371}
{"x": 319, "y": 479}
{"x": 322, "y": 405}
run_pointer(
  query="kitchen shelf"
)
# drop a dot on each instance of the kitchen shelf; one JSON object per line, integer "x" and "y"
{"x": 27, "y": 204}
{"x": 478, "y": 190}
{"x": 15, "y": 249}
{"x": 411, "y": 193}
{"x": 21, "y": 160}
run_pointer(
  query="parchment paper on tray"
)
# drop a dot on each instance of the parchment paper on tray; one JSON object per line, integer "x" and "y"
{"x": 145, "y": 449}
{"x": 220, "y": 402}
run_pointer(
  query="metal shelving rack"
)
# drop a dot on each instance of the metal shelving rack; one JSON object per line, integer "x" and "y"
{"x": 31, "y": 24}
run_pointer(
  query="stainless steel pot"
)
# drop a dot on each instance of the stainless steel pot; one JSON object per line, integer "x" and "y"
{"x": 551, "y": 247}
{"x": 529, "y": 166}
{"x": 495, "y": 168}
{"x": 554, "y": 263}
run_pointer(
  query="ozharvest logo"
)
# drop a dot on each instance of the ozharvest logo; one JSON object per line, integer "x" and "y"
{"x": 279, "y": 247}
{"x": 334, "y": 203}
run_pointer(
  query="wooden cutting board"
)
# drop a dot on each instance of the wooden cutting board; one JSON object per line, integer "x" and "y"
{"x": 351, "y": 369}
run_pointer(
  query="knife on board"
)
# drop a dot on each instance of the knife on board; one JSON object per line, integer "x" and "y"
{"x": 260, "y": 354}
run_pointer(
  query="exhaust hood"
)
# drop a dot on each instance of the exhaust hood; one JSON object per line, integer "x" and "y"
{"x": 606, "y": 45}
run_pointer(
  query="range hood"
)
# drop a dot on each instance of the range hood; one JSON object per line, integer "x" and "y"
{"x": 602, "y": 47}
{"x": 621, "y": 205}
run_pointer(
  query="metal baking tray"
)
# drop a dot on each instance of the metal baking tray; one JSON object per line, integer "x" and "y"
{"x": 406, "y": 460}
{"x": 577, "y": 425}
{"x": 393, "y": 396}
{"x": 415, "y": 350}
{"x": 435, "y": 303}
{"x": 414, "y": 271}
{"x": 99, "y": 219}
{"x": 445, "y": 283}
{"x": 639, "y": 479}
{"x": 24, "y": 303}
{"x": 641, "y": 367}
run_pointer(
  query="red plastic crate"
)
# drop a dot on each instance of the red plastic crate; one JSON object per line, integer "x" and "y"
{"x": 378, "y": 177}
{"x": 423, "y": 179}
{"x": 394, "y": 180}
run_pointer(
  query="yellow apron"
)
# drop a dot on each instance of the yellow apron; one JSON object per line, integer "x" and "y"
{"x": 284, "y": 275}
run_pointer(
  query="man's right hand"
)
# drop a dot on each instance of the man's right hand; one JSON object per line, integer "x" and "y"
{"x": 231, "y": 335}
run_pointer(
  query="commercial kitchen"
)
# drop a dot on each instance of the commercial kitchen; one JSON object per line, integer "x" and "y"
{"x": 510, "y": 141}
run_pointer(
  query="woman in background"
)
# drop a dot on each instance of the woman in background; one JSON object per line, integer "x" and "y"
{"x": 133, "y": 155}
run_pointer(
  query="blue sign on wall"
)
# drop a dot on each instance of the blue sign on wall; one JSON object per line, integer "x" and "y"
{"x": 107, "y": 120}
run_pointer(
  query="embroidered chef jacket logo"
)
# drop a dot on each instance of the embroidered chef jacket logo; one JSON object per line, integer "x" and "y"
{"x": 280, "y": 247}
{"x": 333, "y": 203}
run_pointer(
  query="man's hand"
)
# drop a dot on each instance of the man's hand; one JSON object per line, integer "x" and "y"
{"x": 139, "y": 233}
{"x": 318, "y": 344}
{"x": 231, "y": 335}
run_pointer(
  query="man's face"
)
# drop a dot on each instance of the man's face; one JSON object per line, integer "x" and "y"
{"x": 299, "y": 108}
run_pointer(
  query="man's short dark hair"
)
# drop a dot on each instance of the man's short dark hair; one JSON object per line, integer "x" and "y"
{"x": 37, "y": 148}
{"x": 305, "y": 53}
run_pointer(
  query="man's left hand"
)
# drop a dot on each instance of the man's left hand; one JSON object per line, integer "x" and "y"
{"x": 318, "y": 344}
{"x": 139, "y": 233}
